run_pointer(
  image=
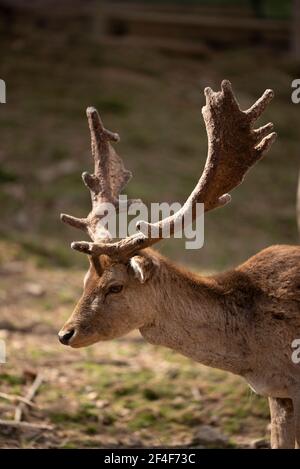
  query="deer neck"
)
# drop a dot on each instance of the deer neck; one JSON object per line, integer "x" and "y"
{"x": 204, "y": 318}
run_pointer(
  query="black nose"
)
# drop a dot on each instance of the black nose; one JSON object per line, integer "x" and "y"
{"x": 64, "y": 337}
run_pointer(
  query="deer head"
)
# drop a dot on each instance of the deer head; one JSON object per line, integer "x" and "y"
{"x": 121, "y": 284}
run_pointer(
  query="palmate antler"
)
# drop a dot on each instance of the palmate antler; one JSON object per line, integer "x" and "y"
{"x": 105, "y": 185}
{"x": 234, "y": 146}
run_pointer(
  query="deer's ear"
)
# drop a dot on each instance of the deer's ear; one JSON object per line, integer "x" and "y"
{"x": 143, "y": 267}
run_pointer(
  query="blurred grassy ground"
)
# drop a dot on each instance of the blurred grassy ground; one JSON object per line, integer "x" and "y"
{"x": 154, "y": 102}
{"x": 114, "y": 395}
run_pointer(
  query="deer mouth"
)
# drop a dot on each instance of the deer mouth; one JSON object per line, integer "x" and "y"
{"x": 80, "y": 341}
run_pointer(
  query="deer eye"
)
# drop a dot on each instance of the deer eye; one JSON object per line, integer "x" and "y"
{"x": 115, "y": 288}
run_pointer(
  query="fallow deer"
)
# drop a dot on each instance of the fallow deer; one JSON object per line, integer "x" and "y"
{"x": 244, "y": 320}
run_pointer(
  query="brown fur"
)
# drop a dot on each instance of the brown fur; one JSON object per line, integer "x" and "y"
{"x": 242, "y": 321}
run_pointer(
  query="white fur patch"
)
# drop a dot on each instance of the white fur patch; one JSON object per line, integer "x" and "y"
{"x": 86, "y": 277}
{"x": 143, "y": 267}
{"x": 138, "y": 271}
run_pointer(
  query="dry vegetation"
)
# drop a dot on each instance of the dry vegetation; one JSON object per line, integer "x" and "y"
{"x": 124, "y": 393}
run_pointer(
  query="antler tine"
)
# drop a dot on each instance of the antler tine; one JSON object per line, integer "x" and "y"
{"x": 233, "y": 148}
{"x": 99, "y": 182}
{"x": 105, "y": 184}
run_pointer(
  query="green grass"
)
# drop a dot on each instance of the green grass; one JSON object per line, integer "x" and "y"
{"x": 11, "y": 379}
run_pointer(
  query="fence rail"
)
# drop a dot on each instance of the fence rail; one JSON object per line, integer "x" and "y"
{"x": 127, "y": 20}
